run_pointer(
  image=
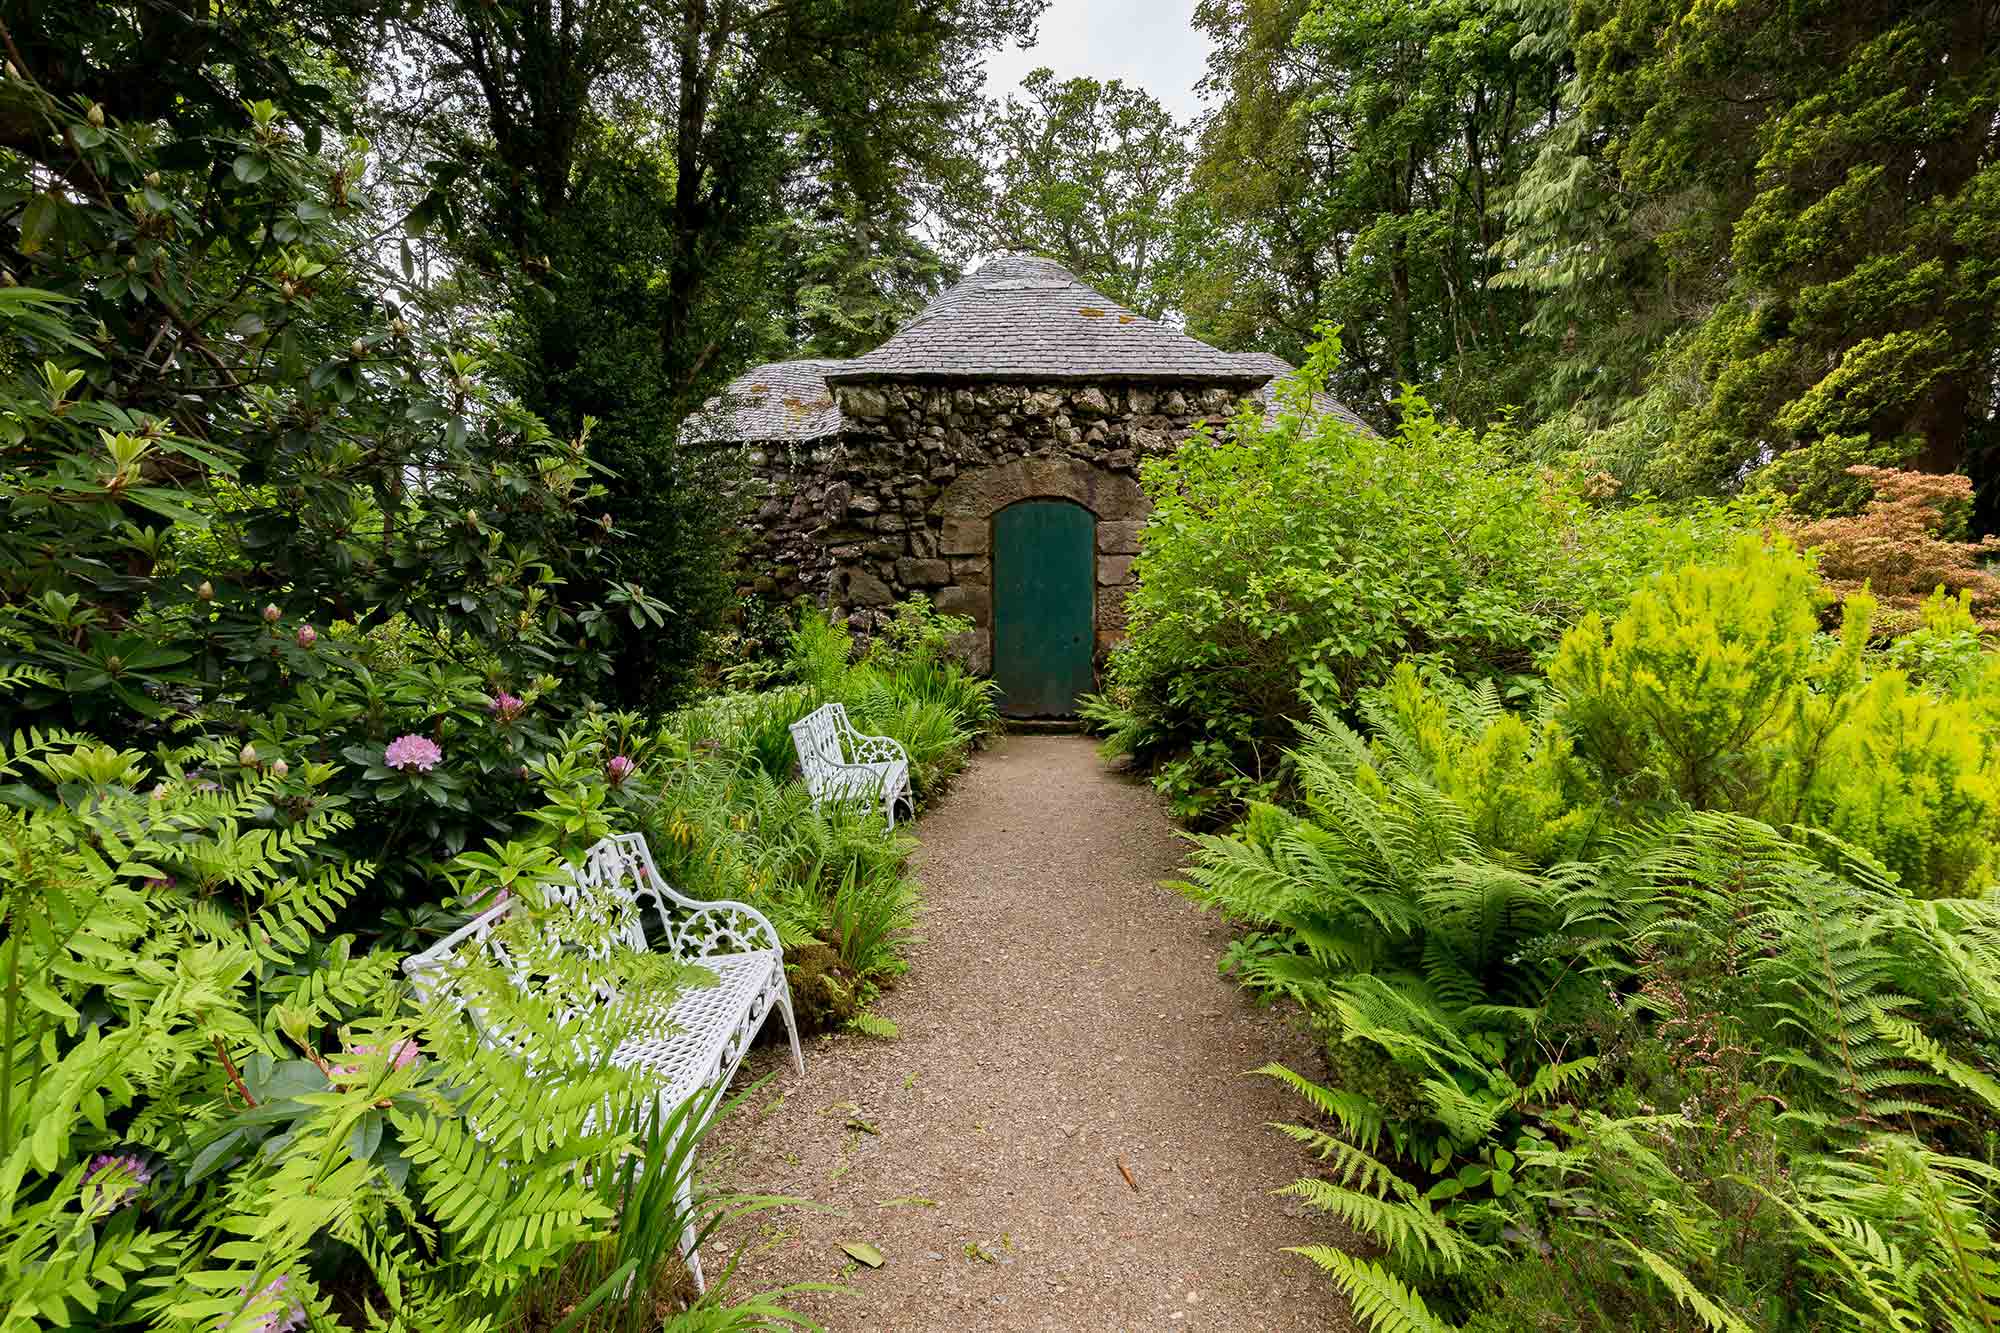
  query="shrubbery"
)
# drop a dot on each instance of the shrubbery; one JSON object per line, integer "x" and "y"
{"x": 1293, "y": 565}
{"x": 1669, "y": 1004}
{"x": 220, "y": 1106}
{"x": 218, "y": 1112}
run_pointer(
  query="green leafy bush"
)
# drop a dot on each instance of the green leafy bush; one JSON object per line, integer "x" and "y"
{"x": 1714, "y": 690}
{"x": 219, "y": 390}
{"x": 1292, "y": 565}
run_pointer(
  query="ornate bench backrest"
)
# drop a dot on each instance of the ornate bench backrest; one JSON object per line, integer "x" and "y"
{"x": 817, "y": 738}
{"x": 597, "y": 909}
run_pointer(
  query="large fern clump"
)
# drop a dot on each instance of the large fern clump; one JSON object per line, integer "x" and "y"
{"x": 1670, "y": 1004}
{"x": 217, "y": 1112}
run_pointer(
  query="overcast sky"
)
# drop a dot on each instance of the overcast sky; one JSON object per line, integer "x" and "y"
{"x": 1151, "y": 43}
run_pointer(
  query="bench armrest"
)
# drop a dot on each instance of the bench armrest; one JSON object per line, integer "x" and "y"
{"x": 876, "y": 749}
{"x": 712, "y": 928}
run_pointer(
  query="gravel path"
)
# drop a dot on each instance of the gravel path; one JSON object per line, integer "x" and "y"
{"x": 1062, "y": 1016}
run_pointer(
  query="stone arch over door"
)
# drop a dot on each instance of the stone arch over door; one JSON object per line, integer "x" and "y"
{"x": 966, "y": 510}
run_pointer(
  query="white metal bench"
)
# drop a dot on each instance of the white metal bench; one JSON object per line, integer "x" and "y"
{"x": 844, "y": 767}
{"x": 700, "y": 1039}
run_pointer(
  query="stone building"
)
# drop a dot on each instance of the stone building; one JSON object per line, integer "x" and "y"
{"x": 987, "y": 456}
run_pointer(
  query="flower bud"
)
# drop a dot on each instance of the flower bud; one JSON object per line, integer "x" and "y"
{"x": 95, "y": 116}
{"x": 307, "y": 635}
{"x": 6, "y": 278}
{"x": 398, "y": 327}
{"x": 357, "y": 349}
{"x": 248, "y": 757}
{"x": 279, "y": 768}
{"x": 206, "y": 592}
{"x": 12, "y": 73}
{"x": 271, "y": 614}
{"x": 131, "y": 263}
{"x": 153, "y": 179}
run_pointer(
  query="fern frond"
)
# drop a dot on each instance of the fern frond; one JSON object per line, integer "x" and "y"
{"x": 1677, "y": 1283}
{"x": 1358, "y": 1117}
{"x": 1375, "y": 1294}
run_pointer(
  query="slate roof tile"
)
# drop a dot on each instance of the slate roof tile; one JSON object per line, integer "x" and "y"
{"x": 787, "y": 400}
{"x": 1020, "y": 317}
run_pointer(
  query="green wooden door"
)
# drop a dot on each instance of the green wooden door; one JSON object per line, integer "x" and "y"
{"x": 1044, "y": 606}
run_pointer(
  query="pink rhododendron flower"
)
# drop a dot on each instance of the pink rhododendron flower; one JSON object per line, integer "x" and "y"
{"x": 407, "y": 752}
{"x": 403, "y": 1056}
{"x": 620, "y": 769}
{"x": 505, "y": 707}
{"x": 108, "y": 1177}
{"x": 306, "y": 636}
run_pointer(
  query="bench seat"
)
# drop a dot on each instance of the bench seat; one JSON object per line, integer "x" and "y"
{"x": 694, "y": 1042}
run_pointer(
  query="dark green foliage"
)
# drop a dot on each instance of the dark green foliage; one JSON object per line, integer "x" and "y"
{"x": 1827, "y": 185}
{"x": 1700, "y": 246}
{"x": 1352, "y": 174}
{"x": 585, "y": 344}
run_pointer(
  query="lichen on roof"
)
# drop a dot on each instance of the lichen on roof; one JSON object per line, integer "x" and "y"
{"x": 787, "y": 400}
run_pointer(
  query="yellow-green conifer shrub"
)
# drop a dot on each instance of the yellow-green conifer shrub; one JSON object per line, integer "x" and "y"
{"x": 1912, "y": 778}
{"x": 1716, "y": 691}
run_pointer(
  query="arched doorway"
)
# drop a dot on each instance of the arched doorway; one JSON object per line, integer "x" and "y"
{"x": 1044, "y": 606}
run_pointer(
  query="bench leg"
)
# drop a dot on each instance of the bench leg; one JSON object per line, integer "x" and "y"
{"x": 684, "y": 1197}
{"x": 791, "y": 1023}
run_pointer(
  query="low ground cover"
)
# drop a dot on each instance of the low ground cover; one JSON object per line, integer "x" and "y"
{"x": 1293, "y": 565}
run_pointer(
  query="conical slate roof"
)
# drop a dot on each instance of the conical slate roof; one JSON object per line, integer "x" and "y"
{"x": 787, "y": 400}
{"x": 1024, "y": 318}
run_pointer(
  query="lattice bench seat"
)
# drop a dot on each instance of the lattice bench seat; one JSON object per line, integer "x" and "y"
{"x": 696, "y": 1042}
{"x": 845, "y": 767}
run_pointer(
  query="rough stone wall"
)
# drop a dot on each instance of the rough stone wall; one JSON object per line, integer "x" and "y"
{"x": 901, "y": 501}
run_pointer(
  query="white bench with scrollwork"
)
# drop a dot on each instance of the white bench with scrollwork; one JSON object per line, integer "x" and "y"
{"x": 844, "y": 767}
{"x": 699, "y": 1040}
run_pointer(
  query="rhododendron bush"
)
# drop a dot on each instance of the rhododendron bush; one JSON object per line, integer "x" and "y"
{"x": 261, "y": 488}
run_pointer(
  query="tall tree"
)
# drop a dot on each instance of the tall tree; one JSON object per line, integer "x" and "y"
{"x": 1824, "y": 187}
{"x": 669, "y": 191}
{"x": 1089, "y": 173}
{"x": 1352, "y": 173}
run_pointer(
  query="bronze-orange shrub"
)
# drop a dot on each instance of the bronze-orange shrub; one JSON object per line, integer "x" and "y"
{"x": 1905, "y": 545}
